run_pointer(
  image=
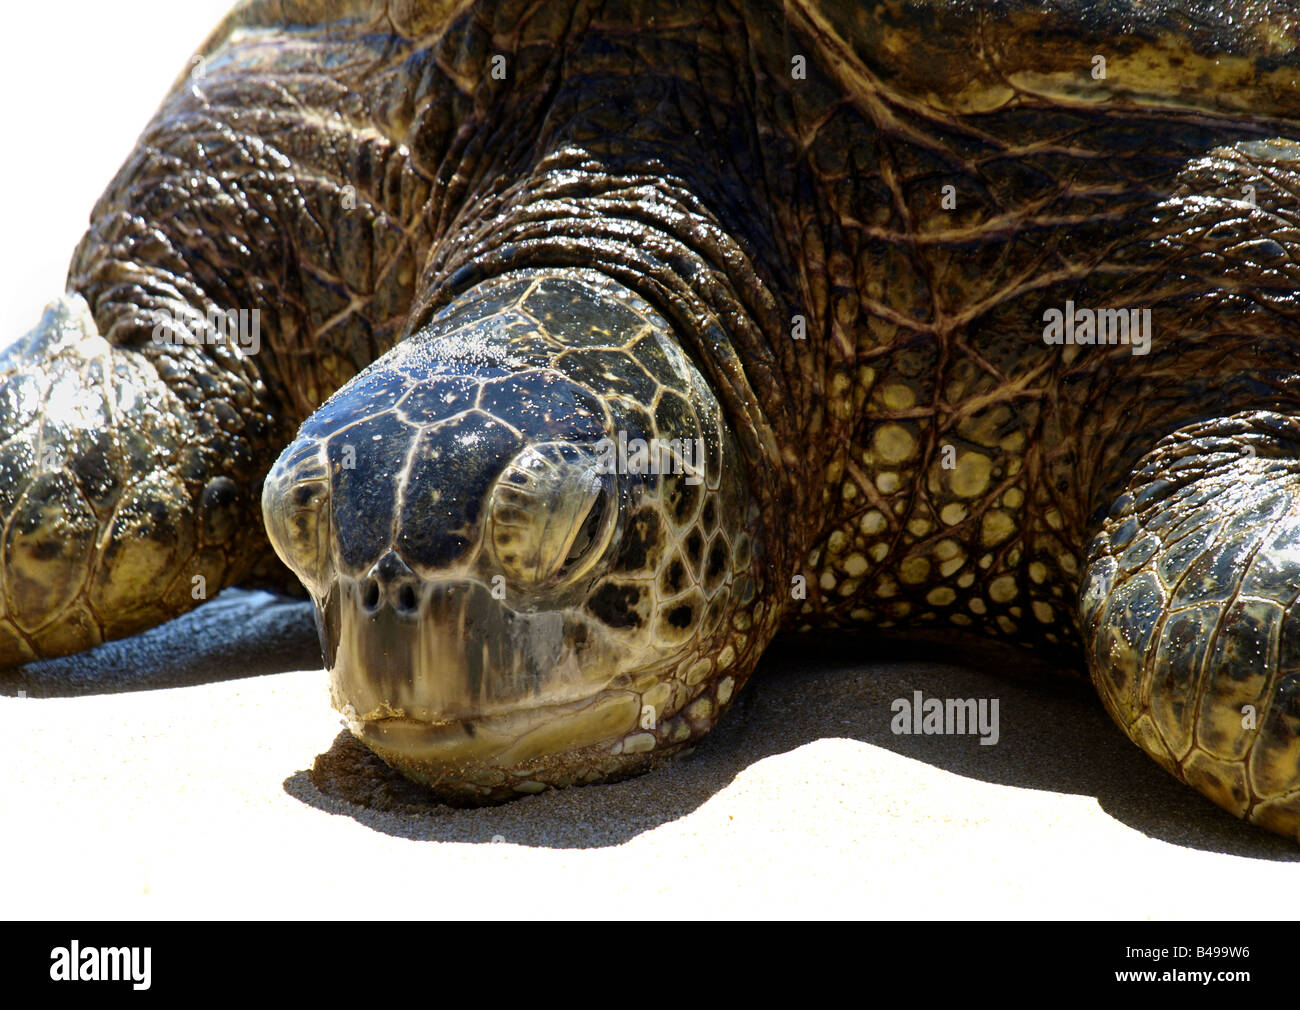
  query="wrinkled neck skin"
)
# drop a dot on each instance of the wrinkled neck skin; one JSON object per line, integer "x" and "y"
{"x": 532, "y": 540}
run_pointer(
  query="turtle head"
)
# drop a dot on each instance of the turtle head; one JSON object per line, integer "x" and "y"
{"x": 529, "y": 539}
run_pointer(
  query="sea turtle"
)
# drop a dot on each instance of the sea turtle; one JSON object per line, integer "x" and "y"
{"x": 571, "y": 350}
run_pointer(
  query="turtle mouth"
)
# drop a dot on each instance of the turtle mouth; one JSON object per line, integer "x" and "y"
{"x": 454, "y": 688}
{"x": 491, "y": 750}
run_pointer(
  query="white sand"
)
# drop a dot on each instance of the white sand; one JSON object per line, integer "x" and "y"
{"x": 194, "y": 801}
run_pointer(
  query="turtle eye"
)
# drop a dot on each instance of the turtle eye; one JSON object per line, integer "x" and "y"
{"x": 550, "y": 515}
{"x": 588, "y": 533}
{"x": 295, "y": 511}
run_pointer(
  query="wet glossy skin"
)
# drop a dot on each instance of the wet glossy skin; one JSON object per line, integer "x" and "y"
{"x": 852, "y": 219}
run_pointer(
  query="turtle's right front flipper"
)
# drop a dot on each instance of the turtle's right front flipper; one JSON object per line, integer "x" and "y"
{"x": 128, "y": 485}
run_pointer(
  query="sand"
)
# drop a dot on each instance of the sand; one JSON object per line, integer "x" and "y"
{"x": 168, "y": 776}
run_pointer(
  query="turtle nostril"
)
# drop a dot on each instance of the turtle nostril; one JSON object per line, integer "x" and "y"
{"x": 370, "y": 596}
{"x": 406, "y": 599}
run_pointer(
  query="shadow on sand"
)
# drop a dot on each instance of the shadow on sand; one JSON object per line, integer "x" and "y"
{"x": 1054, "y": 736}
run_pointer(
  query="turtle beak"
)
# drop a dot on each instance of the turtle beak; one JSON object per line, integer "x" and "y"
{"x": 452, "y": 687}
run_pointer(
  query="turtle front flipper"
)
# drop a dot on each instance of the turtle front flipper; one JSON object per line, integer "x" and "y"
{"x": 1190, "y": 607}
{"x": 128, "y": 484}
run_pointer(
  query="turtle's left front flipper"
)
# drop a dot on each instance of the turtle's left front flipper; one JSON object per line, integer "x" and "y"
{"x": 1190, "y": 611}
{"x": 129, "y": 483}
